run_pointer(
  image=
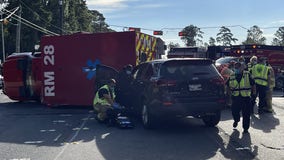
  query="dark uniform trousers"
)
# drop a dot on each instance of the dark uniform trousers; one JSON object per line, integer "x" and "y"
{"x": 261, "y": 90}
{"x": 241, "y": 104}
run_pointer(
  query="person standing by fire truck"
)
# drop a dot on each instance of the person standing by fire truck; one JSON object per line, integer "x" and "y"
{"x": 241, "y": 86}
{"x": 260, "y": 73}
{"x": 269, "y": 91}
{"x": 124, "y": 79}
{"x": 252, "y": 62}
{"x": 226, "y": 73}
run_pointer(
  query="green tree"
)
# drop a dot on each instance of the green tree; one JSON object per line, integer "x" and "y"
{"x": 225, "y": 37}
{"x": 279, "y": 37}
{"x": 254, "y": 36}
{"x": 193, "y": 35}
{"x": 212, "y": 41}
{"x": 173, "y": 45}
{"x": 29, "y": 35}
{"x": 46, "y": 14}
{"x": 98, "y": 22}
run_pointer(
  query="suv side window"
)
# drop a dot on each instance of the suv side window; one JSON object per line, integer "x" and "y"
{"x": 148, "y": 72}
{"x": 156, "y": 68}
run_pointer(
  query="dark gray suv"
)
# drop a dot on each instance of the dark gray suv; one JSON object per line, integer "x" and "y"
{"x": 177, "y": 88}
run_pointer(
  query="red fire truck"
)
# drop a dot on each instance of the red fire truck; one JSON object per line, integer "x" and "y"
{"x": 65, "y": 70}
{"x": 274, "y": 55}
{"x": 186, "y": 52}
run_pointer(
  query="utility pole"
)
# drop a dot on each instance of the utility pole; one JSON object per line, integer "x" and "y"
{"x": 18, "y": 34}
{"x": 3, "y": 43}
{"x": 3, "y": 4}
{"x": 61, "y": 16}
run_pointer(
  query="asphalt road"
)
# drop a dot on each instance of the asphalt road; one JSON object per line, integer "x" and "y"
{"x": 31, "y": 131}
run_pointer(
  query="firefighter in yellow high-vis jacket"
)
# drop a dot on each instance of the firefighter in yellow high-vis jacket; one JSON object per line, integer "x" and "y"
{"x": 242, "y": 87}
{"x": 104, "y": 100}
{"x": 260, "y": 73}
{"x": 271, "y": 85}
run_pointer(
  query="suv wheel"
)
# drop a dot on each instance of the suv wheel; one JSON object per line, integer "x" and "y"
{"x": 147, "y": 118}
{"x": 279, "y": 83}
{"x": 212, "y": 120}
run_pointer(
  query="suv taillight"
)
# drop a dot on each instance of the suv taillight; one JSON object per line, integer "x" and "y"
{"x": 166, "y": 83}
{"x": 217, "y": 80}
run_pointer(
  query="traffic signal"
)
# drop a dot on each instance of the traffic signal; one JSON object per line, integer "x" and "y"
{"x": 181, "y": 34}
{"x": 157, "y": 32}
{"x": 134, "y": 29}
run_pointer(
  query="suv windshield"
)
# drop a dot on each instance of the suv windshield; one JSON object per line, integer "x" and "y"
{"x": 226, "y": 60}
{"x": 180, "y": 70}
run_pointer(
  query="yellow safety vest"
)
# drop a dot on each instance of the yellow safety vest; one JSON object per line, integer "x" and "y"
{"x": 103, "y": 101}
{"x": 260, "y": 74}
{"x": 243, "y": 88}
{"x": 271, "y": 78}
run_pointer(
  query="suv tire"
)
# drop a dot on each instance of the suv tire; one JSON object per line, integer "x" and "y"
{"x": 148, "y": 119}
{"x": 212, "y": 120}
{"x": 279, "y": 83}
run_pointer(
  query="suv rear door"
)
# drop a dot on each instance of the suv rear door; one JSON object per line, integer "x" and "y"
{"x": 141, "y": 76}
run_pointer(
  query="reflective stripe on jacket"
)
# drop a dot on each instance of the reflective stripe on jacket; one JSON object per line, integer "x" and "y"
{"x": 243, "y": 88}
{"x": 103, "y": 101}
{"x": 260, "y": 74}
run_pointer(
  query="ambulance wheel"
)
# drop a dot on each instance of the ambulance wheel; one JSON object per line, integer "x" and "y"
{"x": 148, "y": 119}
{"x": 212, "y": 120}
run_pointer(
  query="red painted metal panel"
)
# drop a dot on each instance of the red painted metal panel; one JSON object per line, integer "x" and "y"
{"x": 67, "y": 61}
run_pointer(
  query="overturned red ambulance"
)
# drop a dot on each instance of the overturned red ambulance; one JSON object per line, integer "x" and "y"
{"x": 64, "y": 72}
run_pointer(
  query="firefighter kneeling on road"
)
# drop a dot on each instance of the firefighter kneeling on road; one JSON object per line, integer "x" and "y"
{"x": 103, "y": 102}
{"x": 241, "y": 86}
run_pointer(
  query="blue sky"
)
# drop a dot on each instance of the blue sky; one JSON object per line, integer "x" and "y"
{"x": 173, "y": 15}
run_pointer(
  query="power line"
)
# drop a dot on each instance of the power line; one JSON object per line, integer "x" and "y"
{"x": 208, "y": 27}
{"x": 35, "y": 13}
{"x": 32, "y": 25}
{"x": 43, "y": 31}
{"x": 11, "y": 13}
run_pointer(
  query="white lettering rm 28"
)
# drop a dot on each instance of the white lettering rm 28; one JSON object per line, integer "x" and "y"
{"x": 49, "y": 76}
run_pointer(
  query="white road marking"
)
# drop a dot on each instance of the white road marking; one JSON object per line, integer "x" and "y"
{"x": 59, "y": 121}
{"x": 50, "y": 130}
{"x": 65, "y": 115}
{"x": 72, "y": 139}
{"x": 56, "y": 139}
{"x": 33, "y": 142}
{"x": 104, "y": 135}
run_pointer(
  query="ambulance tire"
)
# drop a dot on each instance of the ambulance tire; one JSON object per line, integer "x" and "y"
{"x": 212, "y": 120}
{"x": 148, "y": 120}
